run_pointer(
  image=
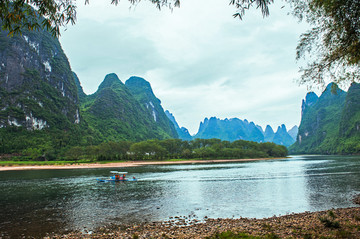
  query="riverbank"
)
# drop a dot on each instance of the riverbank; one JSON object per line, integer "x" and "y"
{"x": 123, "y": 164}
{"x": 336, "y": 223}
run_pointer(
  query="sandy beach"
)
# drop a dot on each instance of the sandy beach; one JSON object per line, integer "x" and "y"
{"x": 123, "y": 164}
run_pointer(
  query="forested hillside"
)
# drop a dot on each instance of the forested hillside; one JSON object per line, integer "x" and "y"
{"x": 118, "y": 112}
{"x": 330, "y": 124}
{"x": 39, "y": 110}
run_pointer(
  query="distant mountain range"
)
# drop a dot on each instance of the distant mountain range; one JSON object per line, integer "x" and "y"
{"x": 235, "y": 129}
{"x": 330, "y": 124}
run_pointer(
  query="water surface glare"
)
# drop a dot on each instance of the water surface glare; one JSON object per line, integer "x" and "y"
{"x": 36, "y": 202}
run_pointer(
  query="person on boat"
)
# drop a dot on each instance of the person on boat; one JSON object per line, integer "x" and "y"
{"x": 123, "y": 177}
{"x": 117, "y": 177}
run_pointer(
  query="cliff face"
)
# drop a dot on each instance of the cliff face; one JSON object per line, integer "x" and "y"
{"x": 37, "y": 87}
{"x": 331, "y": 123}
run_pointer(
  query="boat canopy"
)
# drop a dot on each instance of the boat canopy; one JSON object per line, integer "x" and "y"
{"x": 117, "y": 172}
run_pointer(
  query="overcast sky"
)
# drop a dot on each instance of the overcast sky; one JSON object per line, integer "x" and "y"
{"x": 199, "y": 60}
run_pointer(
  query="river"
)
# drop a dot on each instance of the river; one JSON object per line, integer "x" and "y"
{"x": 36, "y": 202}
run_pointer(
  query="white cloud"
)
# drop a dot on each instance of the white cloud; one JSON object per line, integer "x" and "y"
{"x": 199, "y": 60}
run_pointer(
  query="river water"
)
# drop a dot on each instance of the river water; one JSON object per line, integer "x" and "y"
{"x": 37, "y": 202}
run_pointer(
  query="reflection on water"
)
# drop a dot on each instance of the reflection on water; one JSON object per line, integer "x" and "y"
{"x": 332, "y": 183}
{"x": 44, "y": 201}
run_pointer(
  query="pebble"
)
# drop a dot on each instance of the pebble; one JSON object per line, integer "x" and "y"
{"x": 289, "y": 226}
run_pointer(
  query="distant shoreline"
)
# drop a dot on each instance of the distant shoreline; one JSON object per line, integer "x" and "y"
{"x": 124, "y": 164}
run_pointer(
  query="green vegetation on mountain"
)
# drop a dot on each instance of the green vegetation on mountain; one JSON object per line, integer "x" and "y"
{"x": 36, "y": 82}
{"x": 143, "y": 93}
{"x": 330, "y": 123}
{"x": 117, "y": 112}
{"x": 349, "y": 129}
{"x": 39, "y": 111}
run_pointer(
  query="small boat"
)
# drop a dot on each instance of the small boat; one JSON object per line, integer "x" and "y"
{"x": 117, "y": 177}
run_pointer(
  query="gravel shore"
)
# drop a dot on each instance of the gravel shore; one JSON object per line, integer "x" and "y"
{"x": 336, "y": 223}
